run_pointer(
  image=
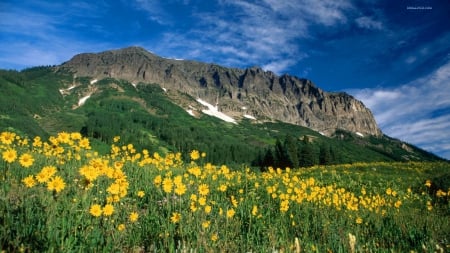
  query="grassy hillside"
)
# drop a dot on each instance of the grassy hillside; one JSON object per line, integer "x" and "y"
{"x": 37, "y": 101}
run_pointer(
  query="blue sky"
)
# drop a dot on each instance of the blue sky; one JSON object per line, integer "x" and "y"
{"x": 392, "y": 55}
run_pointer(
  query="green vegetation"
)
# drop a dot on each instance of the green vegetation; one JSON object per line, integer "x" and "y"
{"x": 121, "y": 173}
{"x": 59, "y": 195}
{"x": 37, "y": 102}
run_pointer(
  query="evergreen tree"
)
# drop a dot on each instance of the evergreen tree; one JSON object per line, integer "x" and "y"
{"x": 325, "y": 155}
{"x": 291, "y": 147}
{"x": 268, "y": 159}
{"x": 307, "y": 156}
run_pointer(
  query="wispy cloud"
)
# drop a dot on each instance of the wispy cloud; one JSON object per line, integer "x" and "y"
{"x": 369, "y": 23}
{"x": 32, "y": 37}
{"x": 417, "y": 112}
{"x": 264, "y": 33}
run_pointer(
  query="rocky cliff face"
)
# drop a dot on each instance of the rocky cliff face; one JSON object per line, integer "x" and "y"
{"x": 252, "y": 91}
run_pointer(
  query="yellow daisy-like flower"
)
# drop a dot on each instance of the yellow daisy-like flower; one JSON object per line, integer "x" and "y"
{"x": 255, "y": 210}
{"x": 84, "y": 143}
{"x": 140, "y": 194}
{"x": 26, "y": 160}
{"x": 7, "y": 137}
{"x": 389, "y": 191}
{"x": 108, "y": 210}
{"x": 116, "y": 138}
{"x": 176, "y": 217}
{"x": 121, "y": 227}
{"x": 194, "y": 155}
{"x": 46, "y": 173}
{"x": 230, "y": 213}
{"x": 214, "y": 237}
{"x": 29, "y": 181}
{"x": 203, "y": 189}
{"x": 134, "y": 216}
{"x": 202, "y": 201}
{"x": 157, "y": 180}
{"x": 96, "y": 210}
{"x": 9, "y": 155}
{"x": 359, "y": 220}
{"x": 56, "y": 184}
{"x": 167, "y": 185}
{"x": 37, "y": 142}
{"x": 428, "y": 183}
{"x": 206, "y": 224}
{"x": 180, "y": 189}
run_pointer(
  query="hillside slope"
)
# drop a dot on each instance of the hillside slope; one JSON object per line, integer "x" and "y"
{"x": 46, "y": 100}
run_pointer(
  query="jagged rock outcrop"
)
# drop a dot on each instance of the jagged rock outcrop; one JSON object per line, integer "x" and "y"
{"x": 253, "y": 91}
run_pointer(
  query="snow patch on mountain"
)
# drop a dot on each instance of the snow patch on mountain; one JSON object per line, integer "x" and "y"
{"x": 66, "y": 91}
{"x": 249, "y": 117}
{"x": 191, "y": 112}
{"x": 213, "y": 111}
{"x": 94, "y": 81}
{"x": 83, "y": 100}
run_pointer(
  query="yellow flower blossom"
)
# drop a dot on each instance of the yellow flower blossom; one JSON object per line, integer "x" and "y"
{"x": 108, "y": 210}
{"x": 134, "y": 216}
{"x": 140, "y": 194}
{"x": 95, "y": 210}
{"x": 203, "y": 189}
{"x": 176, "y": 217}
{"x": 56, "y": 184}
{"x": 29, "y": 181}
{"x": 230, "y": 213}
{"x": 167, "y": 184}
{"x": 26, "y": 160}
{"x": 9, "y": 155}
{"x": 194, "y": 155}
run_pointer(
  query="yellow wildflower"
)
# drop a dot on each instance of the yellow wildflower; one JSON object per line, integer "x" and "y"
{"x": 95, "y": 210}
{"x": 359, "y": 220}
{"x": 9, "y": 155}
{"x": 167, "y": 185}
{"x": 180, "y": 189}
{"x": 230, "y": 213}
{"x": 194, "y": 155}
{"x": 121, "y": 227}
{"x": 29, "y": 181}
{"x": 134, "y": 216}
{"x": 140, "y": 194}
{"x": 255, "y": 210}
{"x": 108, "y": 210}
{"x": 175, "y": 217}
{"x": 56, "y": 184}
{"x": 205, "y": 224}
{"x": 203, "y": 189}
{"x": 7, "y": 137}
{"x": 26, "y": 160}
{"x": 46, "y": 173}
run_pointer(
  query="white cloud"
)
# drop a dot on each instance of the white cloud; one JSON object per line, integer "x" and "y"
{"x": 244, "y": 33}
{"x": 369, "y": 23}
{"x": 416, "y": 112}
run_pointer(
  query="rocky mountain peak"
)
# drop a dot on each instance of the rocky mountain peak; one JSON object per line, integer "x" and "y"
{"x": 263, "y": 94}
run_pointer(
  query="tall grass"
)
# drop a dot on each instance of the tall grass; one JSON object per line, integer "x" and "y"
{"x": 58, "y": 195}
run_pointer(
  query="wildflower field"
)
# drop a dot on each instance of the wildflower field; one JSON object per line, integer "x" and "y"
{"x": 60, "y": 195}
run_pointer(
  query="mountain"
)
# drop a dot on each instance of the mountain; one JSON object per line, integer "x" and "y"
{"x": 237, "y": 92}
{"x": 164, "y": 105}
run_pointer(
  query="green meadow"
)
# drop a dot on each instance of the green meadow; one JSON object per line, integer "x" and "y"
{"x": 61, "y": 195}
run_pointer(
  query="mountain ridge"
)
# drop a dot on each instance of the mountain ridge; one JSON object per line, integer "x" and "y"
{"x": 252, "y": 91}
